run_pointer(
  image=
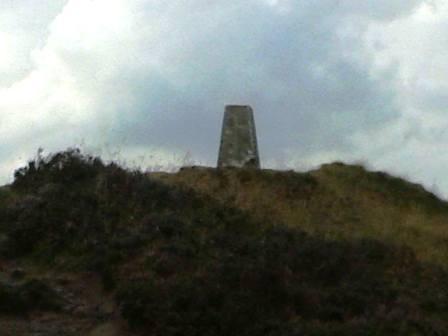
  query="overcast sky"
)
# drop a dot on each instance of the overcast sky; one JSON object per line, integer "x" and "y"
{"x": 147, "y": 80}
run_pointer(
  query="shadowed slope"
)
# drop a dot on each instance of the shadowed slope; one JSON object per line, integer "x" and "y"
{"x": 224, "y": 252}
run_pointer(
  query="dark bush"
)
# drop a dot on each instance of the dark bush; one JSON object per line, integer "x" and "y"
{"x": 183, "y": 264}
{"x": 32, "y": 295}
{"x": 66, "y": 167}
{"x": 253, "y": 285}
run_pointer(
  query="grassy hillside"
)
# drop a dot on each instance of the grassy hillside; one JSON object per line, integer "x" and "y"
{"x": 88, "y": 248}
{"x": 336, "y": 201}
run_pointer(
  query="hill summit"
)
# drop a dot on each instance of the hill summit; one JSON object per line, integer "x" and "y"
{"x": 89, "y": 248}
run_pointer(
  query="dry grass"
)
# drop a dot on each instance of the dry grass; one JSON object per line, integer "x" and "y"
{"x": 336, "y": 201}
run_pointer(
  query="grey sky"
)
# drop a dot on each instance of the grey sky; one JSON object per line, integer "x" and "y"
{"x": 328, "y": 79}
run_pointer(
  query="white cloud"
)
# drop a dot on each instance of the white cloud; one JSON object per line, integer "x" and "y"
{"x": 7, "y": 46}
{"x": 415, "y": 47}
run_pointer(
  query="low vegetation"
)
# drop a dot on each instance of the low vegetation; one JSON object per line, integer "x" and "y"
{"x": 29, "y": 296}
{"x": 336, "y": 201}
{"x": 337, "y": 251}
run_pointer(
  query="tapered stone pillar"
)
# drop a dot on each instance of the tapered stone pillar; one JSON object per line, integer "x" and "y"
{"x": 238, "y": 146}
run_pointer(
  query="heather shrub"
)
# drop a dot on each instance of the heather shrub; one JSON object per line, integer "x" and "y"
{"x": 31, "y": 295}
{"x": 183, "y": 263}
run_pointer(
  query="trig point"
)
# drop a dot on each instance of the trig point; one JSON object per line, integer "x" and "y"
{"x": 238, "y": 146}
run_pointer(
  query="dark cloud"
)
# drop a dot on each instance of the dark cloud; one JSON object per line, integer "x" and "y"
{"x": 309, "y": 90}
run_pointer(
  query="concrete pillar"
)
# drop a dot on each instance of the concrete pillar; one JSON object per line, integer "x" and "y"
{"x": 238, "y": 146}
